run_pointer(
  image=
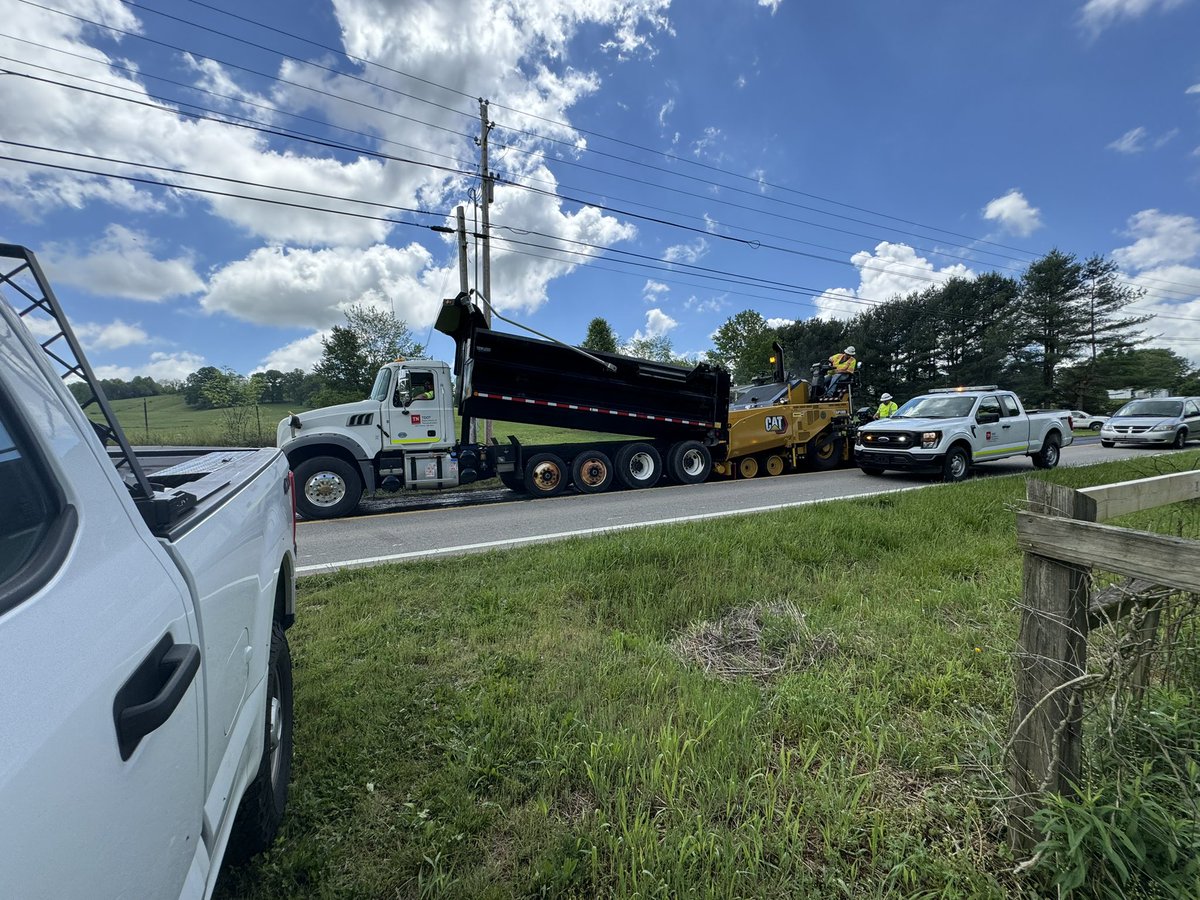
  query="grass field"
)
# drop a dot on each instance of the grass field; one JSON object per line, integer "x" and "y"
{"x": 806, "y": 703}
{"x": 173, "y": 423}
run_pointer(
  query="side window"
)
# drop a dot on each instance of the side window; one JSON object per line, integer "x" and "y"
{"x": 422, "y": 385}
{"x": 36, "y": 527}
{"x": 988, "y": 405}
{"x": 1191, "y": 409}
{"x": 1009, "y": 406}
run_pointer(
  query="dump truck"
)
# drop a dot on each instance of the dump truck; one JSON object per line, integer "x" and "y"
{"x": 668, "y": 421}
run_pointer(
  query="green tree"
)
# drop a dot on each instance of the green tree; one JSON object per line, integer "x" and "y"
{"x": 743, "y": 345}
{"x": 600, "y": 336}
{"x": 1052, "y": 324}
{"x": 353, "y": 353}
{"x": 657, "y": 348}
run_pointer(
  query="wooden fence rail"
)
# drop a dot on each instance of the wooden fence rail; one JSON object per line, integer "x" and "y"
{"x": 1063, "y": 539}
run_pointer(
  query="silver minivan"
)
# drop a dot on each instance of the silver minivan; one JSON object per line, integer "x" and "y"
{"x": 1161, "y": 420}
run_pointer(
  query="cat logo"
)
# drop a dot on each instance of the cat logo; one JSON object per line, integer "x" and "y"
{"x": 776, "y": 424}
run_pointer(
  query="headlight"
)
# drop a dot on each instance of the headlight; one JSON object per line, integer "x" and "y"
{"x": 1164, "y": 426}
{"x": 929, "y": 439}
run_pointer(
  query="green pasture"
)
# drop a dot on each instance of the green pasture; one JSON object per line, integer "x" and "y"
{"x": 806, "y": 703}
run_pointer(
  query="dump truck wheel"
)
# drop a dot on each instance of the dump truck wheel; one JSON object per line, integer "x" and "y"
{"x": 825, "y": 452}
{"x": 775, "y": 464}
{"x": 545, "y": 475}
{"x": 747, "y": 467}
{"x": 689, "y": 462}
{"x": 512, "y": 481}
{"x": 638, "y": 465}
{"x": 592, "y": 472}
{"x": 327, "y": 487}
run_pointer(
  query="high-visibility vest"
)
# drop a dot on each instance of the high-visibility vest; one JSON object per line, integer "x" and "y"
{"x": 886, "y": 409}
{"x": 842, "y": 363}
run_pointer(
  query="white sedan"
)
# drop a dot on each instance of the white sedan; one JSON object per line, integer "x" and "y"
{"x": 1080, "y": 419}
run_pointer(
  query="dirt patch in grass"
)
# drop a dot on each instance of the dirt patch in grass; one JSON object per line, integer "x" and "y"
{"x": 761, "y": 641}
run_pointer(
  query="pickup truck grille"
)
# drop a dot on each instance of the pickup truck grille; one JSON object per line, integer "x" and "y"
{"x": 891, "y": 440}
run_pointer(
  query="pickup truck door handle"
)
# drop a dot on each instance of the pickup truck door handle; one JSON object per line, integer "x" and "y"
{"x": 149, "y": 696}
{"x": 1006, "y": 426}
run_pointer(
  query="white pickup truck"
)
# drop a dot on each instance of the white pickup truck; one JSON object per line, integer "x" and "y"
{"x": 146, "y": 713}
{"x": 949, "y": 430}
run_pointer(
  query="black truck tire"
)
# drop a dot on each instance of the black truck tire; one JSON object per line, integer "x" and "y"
{"x": 545, "y": 475}
{"x": 592, "y": 472}
{"x": 825, "y": 452}
{"x": 873, "y": 471}
{"x": 1108, "y": 443}
{"x": 513, "y": 481}
{"x": 957, "y": 465}
{"x": 327, "y": 487}
{"x": 261, "y": 810}
{"x": 1048, "y": 456}
{"x": 638, "y": 465}
{"x": 689, "y": 462}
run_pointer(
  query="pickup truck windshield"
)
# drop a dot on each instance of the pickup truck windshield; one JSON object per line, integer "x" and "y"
{"x": 1158, "y": 409}
{"x": 935, "y": 408}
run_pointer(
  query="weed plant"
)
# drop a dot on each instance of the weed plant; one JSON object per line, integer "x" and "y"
{"x": 522, "y": 723}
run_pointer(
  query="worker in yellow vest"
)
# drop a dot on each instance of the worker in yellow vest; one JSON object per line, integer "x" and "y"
{"x": 887, "y": 406}
{"x": 841, "y": 368}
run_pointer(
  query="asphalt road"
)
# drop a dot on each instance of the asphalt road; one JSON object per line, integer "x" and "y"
{"x": 466, "y": 522}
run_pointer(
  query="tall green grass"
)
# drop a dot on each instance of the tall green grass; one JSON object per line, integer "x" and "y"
{"x": 517, "y": 724}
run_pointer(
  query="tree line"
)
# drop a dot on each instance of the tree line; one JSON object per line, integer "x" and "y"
{"x": 1061, "y": 334}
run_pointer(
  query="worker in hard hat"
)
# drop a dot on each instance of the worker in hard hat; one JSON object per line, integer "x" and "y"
{"x": 841, "y": 368}
{"x": 887, "y": 406}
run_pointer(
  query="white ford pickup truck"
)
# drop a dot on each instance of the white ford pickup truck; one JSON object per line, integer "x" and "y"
{"x": 146, "y": 709}
{"x": 951, "y": 429}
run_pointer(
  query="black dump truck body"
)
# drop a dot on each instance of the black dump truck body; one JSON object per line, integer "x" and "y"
{"x": 521, "y": 379}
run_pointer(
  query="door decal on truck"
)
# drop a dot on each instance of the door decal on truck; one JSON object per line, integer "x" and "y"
{"x": 777, "y": 424}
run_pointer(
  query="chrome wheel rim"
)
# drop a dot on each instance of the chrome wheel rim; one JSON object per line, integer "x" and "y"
{"x": 693, "y": 463}
{"x": 325, "y": 489}
{"x": 641, "y": 466}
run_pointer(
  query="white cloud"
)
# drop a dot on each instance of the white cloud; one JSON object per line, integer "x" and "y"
{"x": 687, "y": 253}
{"x": 889, "y": 271}
{"x": 705, "y": 147}
{"x": 779, "y": 323}
{"x": 1132, "y": 141}
{"x": 1160, "y": 239}
{"x": 658, "y": 323}
{"x": 653, "y": 291}
{"x": 299, "y": 354}
{"x": 1194, "y": 89}
{"x": 712, "y": 304}
{"x": 1097, "y": 15}
{"x": 772, "y": 5}
{"x": 111, "y": 336}
{"x": 440, "y": 40}
{"x": 666, "y": 109}
{"x": 310, "y": 288}
{"x": 739, "y": 82}
{"x": 1014, "y": 213}
{"x": 122, "y": 264}
{"x": 160, "y": 367}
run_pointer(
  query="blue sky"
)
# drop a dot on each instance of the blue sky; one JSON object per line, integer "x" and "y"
{"x": 664, "y": 165}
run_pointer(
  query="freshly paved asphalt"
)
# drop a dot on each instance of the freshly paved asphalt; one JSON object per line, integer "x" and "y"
{"x": 469, "y": 522}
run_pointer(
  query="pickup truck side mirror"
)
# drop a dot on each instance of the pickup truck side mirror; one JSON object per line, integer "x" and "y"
{"x": 987, "y": 418}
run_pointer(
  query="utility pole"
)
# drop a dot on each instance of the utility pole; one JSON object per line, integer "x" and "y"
{"x": 484, "y": 127}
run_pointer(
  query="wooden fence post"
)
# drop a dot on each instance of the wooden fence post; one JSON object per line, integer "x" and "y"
{"x": 1046, "y": 730}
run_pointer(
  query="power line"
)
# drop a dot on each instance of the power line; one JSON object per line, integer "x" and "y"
{"x": 1190, "y": 288}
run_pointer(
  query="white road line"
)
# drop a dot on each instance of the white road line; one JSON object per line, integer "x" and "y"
{"x": 318, "y": 568}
